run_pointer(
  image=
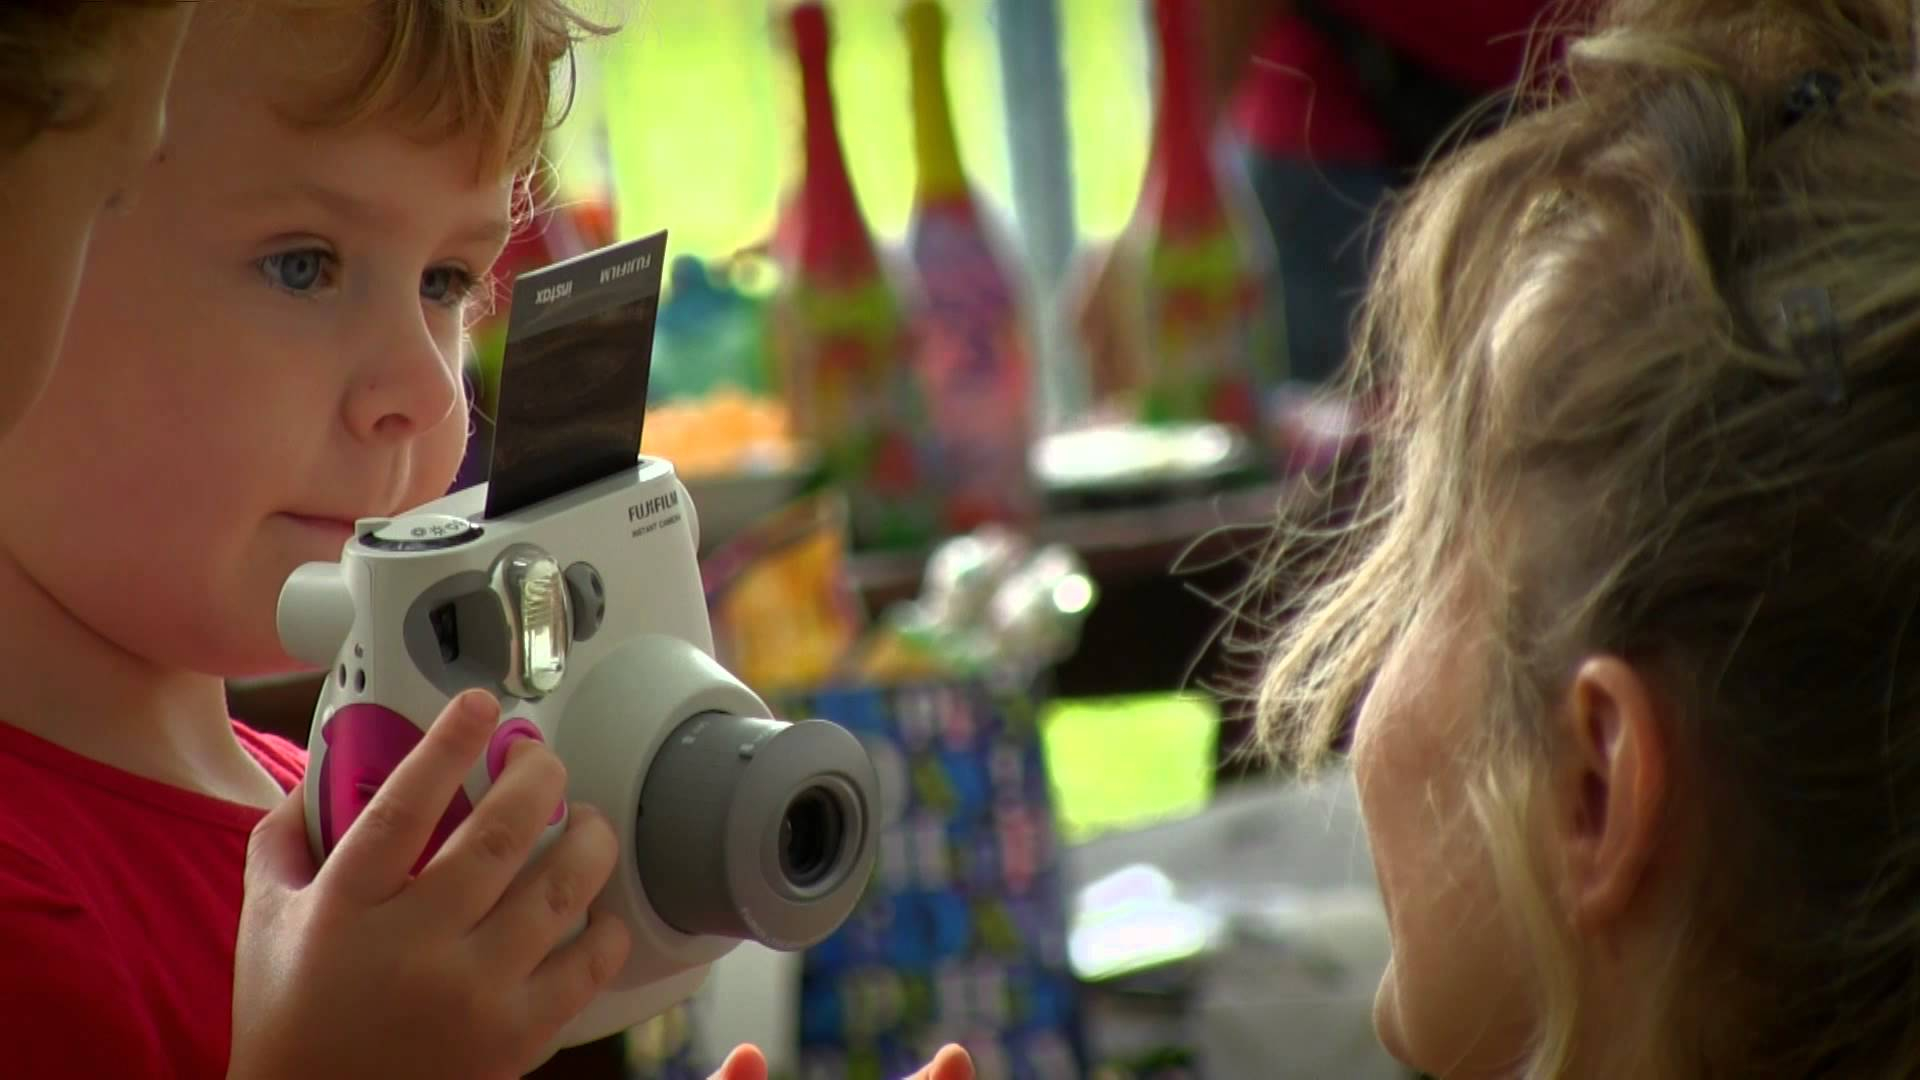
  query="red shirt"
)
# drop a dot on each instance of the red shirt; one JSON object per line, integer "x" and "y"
{"x": 119, "y": 905}
{"x": 1299, "y": 100}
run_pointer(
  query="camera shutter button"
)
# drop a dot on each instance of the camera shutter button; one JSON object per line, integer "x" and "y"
{"x": 502, "y": 740}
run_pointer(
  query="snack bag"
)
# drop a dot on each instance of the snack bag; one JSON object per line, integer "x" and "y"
{"x": 782, "y": 601}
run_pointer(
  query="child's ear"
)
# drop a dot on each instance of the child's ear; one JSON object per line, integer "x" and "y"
{"x": 1611, "y": 788}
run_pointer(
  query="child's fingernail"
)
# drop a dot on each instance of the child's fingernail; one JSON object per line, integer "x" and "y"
{"x": 478, "y": 705}
{"x": 518, "y": 745}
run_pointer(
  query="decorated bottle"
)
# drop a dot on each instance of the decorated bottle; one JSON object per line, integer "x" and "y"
{"x": 842, "y": 335}
{"x": 1210, "y": 351}
{"x": 975, "y": 348}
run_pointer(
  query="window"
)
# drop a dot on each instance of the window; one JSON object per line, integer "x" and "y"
{"x": 689, "y": 117}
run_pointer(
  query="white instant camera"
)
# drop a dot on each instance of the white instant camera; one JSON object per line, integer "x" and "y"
{"x": 580, "y": 606}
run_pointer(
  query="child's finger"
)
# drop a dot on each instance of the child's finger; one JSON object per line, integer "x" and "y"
{"x": 468, "y": 876}
{"x": 541, "y": 906}
{"x": 278, "y": 858}
{"x": 745, "y": 1063}
{"x": 376, "y": 856}
{"x": 567, "y": 981}
{"x": 951, "y": 1063}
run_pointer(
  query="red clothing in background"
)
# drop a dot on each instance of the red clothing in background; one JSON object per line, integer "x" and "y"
{"x": 1299, "y": 100}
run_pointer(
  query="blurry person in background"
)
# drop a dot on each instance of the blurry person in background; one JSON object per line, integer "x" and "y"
{"x": 1326, "y": 107}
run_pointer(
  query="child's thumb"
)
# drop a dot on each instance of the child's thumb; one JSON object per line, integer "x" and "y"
{"x": 277, "y": 854}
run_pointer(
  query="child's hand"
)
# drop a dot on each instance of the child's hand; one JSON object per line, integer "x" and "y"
{"x": 365, "y": 970}
{"x": 745, "y": 1063}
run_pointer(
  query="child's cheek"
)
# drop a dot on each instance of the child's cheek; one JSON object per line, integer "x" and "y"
{"x": 438, "y": 454}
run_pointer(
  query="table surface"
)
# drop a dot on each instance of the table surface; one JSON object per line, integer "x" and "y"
{"x": 1150, "y": 539}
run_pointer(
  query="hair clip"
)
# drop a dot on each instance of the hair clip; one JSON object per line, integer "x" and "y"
{"x": 1813, "y": 334}
{"x": 1812, "y": 92}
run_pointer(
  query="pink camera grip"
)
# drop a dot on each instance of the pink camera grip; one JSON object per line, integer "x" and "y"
{"x": 365, "y": 743}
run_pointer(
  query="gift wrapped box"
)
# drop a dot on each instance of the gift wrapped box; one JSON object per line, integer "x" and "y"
{"x": 961, "y": 936}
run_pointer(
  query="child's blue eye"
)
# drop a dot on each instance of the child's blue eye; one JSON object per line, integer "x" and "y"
{"x": 448, "y": 285}
{"x": 300, "y": 271}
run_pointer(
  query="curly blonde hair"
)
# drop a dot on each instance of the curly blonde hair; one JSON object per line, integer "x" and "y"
{"x": 55, "y": 59}
{"x": 445, "y": 66}
{"x": 1647, "y": 370}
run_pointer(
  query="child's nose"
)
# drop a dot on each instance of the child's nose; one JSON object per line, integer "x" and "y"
{"x": 409, "y": 388}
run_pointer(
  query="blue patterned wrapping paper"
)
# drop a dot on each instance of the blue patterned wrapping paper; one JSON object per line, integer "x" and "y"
{"x": 961, "y": 936}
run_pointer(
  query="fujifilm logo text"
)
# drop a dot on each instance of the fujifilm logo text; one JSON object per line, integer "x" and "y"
{"x": 620, "y": 270}
{"x": 644, "y": 510}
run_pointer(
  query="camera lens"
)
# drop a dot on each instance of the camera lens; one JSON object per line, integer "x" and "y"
{"x": 811, "y": 835}
{"x": 755, "y": 828}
